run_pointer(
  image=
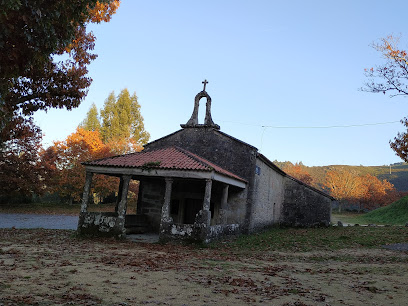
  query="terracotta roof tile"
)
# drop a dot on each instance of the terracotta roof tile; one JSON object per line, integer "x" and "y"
{"x": 167, "y": 158}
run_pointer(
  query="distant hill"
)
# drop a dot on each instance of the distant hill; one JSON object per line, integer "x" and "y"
{"x": 398, "y": 176}
{"x": 395, "y": 213}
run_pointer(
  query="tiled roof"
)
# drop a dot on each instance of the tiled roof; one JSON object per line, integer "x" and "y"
{"x": 171, "y": 158}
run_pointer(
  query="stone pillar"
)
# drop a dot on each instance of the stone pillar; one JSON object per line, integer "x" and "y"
{"x": 204, "y": 217}
{"x": 167, "y": 200}
{"x": 207, "y": 195}
{"x": 122, "y": 205}
{"x": 125, "y": 180}
{"x": 87, "y": 189}
{"x": 166, "y": 221}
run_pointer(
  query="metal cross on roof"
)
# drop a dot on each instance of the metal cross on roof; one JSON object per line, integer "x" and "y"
{"x": 205, "y": 82}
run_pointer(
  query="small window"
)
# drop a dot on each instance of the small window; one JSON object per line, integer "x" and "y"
{"x": 258, "y": 170}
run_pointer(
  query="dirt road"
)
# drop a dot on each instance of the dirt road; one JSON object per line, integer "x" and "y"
{"x": 38, "y": 221}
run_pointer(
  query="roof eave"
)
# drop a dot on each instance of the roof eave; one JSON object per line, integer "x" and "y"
{"x": 174, "y": 173}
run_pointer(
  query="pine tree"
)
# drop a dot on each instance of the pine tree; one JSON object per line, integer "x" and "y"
{"x": 110, "y": 120}
{"x": 122, "y": 121}
{"x": 138, "y": 133}
{"x": 91, "y": 122}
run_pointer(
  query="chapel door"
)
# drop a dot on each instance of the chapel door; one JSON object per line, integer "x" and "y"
{"x": 191, "y": 209}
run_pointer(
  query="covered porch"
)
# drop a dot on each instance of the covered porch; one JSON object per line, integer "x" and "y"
{"x": 187, "y": 200}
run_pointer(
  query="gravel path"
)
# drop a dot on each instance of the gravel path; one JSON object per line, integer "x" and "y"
{"x": 397, "y": 246}
{"x": 38, "y": 221}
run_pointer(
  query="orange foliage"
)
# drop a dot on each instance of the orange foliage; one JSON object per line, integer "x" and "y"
{"x": 65, "y": 158}
{"x": 124, "y": 146}
{"x": 400, "y": 143}
{"x": 103, "y": 11}
{"x": 389, "y": 48}
{"x": 344, "y": 185}
{"x": 376, "y": 193}
{"x": 367, "y": 191}
{"x": 298, "y": 172}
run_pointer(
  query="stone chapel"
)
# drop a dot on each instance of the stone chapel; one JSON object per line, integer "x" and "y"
{"x": 199, "y": 184}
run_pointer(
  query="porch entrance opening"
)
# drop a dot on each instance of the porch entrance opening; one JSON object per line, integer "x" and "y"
{"x": 191, "y": 209}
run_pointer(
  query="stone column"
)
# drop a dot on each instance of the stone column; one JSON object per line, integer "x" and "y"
{"x": 167, "y": 200}
{"x": 125, "y": 180}
{"x": 204, "y": 217}
{"x": 120, "y": 225}
{"x": 87, "y": 189}
{"x": 207, "y": 195}
{"x": 166, "y": 221}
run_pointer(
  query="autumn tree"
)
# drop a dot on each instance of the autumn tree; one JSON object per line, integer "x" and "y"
{"x": 122, "y": 123}
{"x": 376, "y": 193}
{"x": 400, "y": 143}
{"x": 391, "y": 78}
{"x": 21, "y": 169}
{"x": 65, "y": 157}
{"x": 343, "y": 185}
{"x": 32, "y": 77}
{"x": 32, "y": 34}
{"x": 91, "y": 121}
{"x": 365, "y": 191}
{"x": 299, "y": 172}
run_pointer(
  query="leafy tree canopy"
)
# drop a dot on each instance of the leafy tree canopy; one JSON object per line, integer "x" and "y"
{"x": 91, "y": 121}
{"x": 391, "y": 78}
{"x": 366, "y": 190}
{"x": 65, "y": 157}
{"x": 298, "y": 171}
{"x": 21, "y": 168}
{"x": 32, "y": 34}
{"x": 122, "y": 122}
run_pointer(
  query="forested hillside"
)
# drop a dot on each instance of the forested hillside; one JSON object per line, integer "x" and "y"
{"x": 397, "y": 174}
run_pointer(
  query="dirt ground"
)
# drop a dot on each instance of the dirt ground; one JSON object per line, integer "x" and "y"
{"x": 52, "y": 267}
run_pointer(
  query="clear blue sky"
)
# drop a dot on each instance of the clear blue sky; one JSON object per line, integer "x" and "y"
{"x": 268, "y": 63}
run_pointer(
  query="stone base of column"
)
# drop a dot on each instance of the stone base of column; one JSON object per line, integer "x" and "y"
{"x": 101, "y": 224}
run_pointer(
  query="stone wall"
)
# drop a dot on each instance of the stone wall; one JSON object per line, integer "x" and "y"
{"x": 304, "y": 205}
{"x": 236, "y": 208}
{"x": 197, "y": 232}
{"x": 268, "y": 196}
{"x": 151, "y": 202}
{"x": 101, "y": 224}
{"x": 215, "y": 146}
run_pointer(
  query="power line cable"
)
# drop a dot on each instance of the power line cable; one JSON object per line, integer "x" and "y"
{"x": 315, "y": 127}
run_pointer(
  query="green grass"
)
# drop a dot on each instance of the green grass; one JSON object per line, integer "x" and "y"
{"x": 345, "y": 217}
{"x": 313, "y": 239}
{"x": 395, "y": 214}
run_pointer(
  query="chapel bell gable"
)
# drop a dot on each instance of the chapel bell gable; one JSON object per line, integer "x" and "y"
{"x": 208, "y": 122}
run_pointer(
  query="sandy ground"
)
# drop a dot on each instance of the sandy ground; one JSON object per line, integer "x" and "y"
{"x": 52, "y": 267}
